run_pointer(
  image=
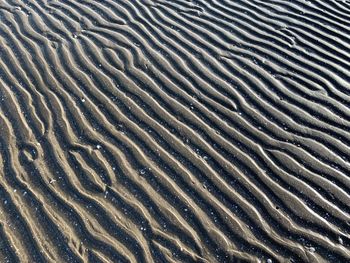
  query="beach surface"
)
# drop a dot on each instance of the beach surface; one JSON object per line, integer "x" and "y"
{"x": 174, "y": 131}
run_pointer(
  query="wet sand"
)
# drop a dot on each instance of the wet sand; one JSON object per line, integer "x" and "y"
{"x": 174, "y": 131}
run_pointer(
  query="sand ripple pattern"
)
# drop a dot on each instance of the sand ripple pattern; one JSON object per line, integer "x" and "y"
{"x": 174, "y": 131}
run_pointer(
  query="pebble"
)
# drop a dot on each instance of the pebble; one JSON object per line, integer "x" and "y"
{"x": 52, "y": 181}
{"x": 312, "y": 249}
{"x": 340, "y": 240}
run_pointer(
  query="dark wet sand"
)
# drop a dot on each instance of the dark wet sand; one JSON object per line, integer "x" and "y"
{"x": 174, "y": 131}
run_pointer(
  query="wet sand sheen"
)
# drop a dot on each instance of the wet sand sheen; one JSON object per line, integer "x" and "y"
{"x": 174, "y": 131}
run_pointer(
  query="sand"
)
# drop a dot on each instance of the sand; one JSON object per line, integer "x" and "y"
{"x": 174, "y": 131}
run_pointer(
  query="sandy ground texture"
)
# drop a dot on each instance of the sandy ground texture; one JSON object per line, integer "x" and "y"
{"x": 174, "y": 131}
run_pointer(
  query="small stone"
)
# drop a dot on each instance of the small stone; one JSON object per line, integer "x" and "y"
{"x": 52, "y": 181}
{"x": 98, "y": 146}
{"x": 312, "y": 249}
{"x": 340, "y": 241}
